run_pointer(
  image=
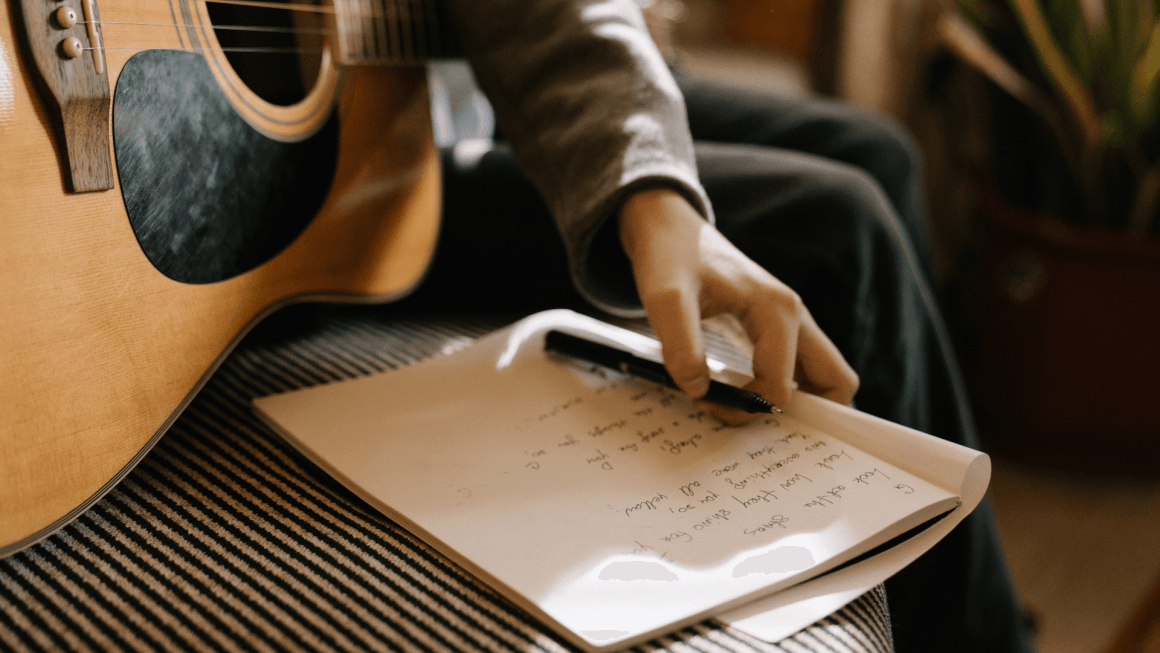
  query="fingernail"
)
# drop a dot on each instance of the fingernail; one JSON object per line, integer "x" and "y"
{"x": 790, "y": 388}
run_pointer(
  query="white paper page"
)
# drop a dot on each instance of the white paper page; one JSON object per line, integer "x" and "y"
{"x": 607, "y": 506}
{"x": 955, "y": 468}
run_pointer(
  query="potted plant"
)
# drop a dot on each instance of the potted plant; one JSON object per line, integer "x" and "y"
{"x": 1067, "y": 298}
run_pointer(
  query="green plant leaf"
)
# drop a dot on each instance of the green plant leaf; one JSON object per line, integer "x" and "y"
{"x": 1075, "y": 95}
{"x": 1113, "y": 130}
{"x": 1144, "y": 92}
{"x": 1065, "y": 18}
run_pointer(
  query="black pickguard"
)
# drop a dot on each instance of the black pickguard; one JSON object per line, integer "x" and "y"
{"x": 208, "y": 196}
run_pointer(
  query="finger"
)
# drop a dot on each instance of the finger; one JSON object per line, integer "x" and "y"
{"x": 823, "y": 370}
{"x": 730, "y": 416}
{"x": 676, "y": 317}
{"x": 773, "y": 323}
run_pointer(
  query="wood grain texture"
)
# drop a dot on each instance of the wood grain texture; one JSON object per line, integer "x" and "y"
{"x": 99, "y": 350}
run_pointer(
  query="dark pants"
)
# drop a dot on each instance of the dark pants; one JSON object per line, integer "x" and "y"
{"x": 829, "y": 200}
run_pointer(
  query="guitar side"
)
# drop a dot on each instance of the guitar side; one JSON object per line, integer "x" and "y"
{"x": 99, "y": 349}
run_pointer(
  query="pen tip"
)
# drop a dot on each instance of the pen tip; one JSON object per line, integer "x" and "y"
{"x": 759, "y": 404}
{"x": 762, "y": 405}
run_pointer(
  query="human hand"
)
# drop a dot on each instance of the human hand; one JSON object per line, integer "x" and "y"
{"x": 686, "y": 271}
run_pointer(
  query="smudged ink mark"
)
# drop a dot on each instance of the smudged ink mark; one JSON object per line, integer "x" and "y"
{"x": 778, "y": 561}
{"x": 465, "y": 493}
{"x": 637, "y": 570}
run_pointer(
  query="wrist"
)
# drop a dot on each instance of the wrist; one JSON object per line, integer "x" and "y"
{"x": 648, "y": 211}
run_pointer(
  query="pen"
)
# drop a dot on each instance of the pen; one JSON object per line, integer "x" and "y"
{"x": 719, "y": 393}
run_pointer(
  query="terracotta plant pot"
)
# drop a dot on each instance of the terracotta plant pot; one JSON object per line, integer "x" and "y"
{"x": 1068, "y": 321}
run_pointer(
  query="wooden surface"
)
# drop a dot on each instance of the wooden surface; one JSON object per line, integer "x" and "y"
{"x": 786, "y": 26}
{"x": 99, "y": 349}
{"x": 1082, "y": 552}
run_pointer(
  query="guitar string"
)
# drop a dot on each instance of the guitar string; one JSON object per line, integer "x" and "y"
{"x": 251, "y": 50}
{"x": 244, "y": 28}
{"x": 288, "y": 6}
{"x": 400, "y": 8}
{"x": 255, "y": 28}
{"x": 307, "y": 7}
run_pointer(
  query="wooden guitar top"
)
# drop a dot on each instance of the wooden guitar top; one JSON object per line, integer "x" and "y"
{"x": 99, "y": 349}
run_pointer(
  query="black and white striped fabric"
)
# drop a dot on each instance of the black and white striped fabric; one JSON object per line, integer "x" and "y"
{"x": 225, "y": 538}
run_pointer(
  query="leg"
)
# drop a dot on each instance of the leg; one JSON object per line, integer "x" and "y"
{"x": 824, "y": 128}
{"x": 829, "y": 231}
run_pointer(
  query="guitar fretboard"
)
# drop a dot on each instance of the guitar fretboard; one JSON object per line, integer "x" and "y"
{"x": 383, "y": 32}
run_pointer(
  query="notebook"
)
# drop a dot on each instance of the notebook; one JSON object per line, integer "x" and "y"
{"x": 614, "y": 510}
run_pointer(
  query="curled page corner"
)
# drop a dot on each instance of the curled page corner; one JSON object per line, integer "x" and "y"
{"x": 955, "y": 468}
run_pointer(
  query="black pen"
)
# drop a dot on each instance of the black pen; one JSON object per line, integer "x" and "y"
{"x": 719, "y": 393}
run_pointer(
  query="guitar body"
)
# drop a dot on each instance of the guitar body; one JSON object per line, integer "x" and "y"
{"x": 116, "y": 305}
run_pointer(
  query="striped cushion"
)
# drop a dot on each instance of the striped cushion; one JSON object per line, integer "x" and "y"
{"x": 224, "y": 537}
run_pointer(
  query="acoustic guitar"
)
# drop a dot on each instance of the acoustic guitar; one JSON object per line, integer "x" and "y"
{"x": 172, "y": 171}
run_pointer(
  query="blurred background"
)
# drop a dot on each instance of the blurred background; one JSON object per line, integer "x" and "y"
{"x": 1039, "y": 125}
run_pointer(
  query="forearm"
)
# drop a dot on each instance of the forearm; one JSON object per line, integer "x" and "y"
{"x": 592, "y": 113}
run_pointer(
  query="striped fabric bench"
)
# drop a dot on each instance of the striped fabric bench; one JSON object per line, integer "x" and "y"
{"x": 225, "y": 538}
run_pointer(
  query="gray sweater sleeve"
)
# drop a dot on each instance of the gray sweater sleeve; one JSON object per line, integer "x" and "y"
{"x": 592, "y": 113}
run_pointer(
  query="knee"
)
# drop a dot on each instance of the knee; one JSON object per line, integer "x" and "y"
{"x": 887, "y": 151}
{"x": 852, "y": 202}
{"x": 865, "y": 236}
{"x": 835, "y": 213}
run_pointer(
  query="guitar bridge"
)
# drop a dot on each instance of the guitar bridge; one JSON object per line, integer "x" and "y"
{"x": 76, "y": 87}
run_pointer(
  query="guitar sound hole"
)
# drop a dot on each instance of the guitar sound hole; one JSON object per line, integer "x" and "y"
{"x": 280, "y": 59}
